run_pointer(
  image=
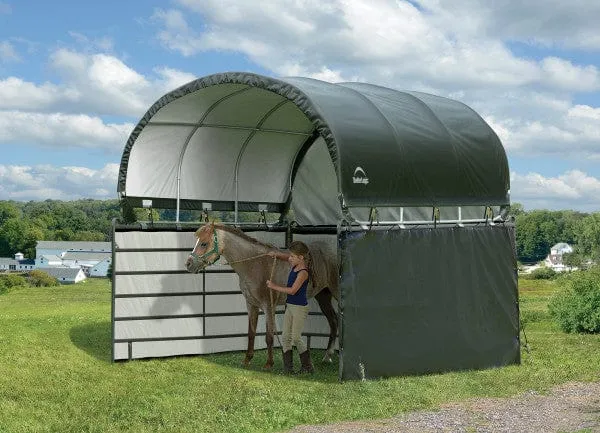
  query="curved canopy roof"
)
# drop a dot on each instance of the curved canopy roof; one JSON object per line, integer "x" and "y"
{"x": 240, "y": 140}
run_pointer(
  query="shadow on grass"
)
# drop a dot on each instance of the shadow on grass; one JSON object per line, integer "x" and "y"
{"x": 93, "y": 338}
{"x": 324, "y": 372}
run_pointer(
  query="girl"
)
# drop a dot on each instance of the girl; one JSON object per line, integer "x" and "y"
{"x": 296, "y": 308}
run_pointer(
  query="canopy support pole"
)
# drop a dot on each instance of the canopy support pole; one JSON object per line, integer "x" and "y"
{"x": 243, "y": 149}
{"x": 191, "y": 134}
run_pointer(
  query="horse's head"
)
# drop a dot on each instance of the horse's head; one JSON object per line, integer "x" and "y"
{"x": 206, "y": 251}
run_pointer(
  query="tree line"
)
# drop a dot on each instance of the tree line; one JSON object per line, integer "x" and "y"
{"x": 22, "y": 224}
{"x": 538, "y": 230}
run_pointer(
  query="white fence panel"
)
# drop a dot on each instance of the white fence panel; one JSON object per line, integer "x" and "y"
{"x": 159, "y": 309}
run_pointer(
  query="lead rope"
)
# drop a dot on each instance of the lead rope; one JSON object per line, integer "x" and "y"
{"x": 249, "y": 258}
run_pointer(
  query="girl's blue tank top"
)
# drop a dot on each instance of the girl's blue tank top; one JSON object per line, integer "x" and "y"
{"x": 300, "y": 297}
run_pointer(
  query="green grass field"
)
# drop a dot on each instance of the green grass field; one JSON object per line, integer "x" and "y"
{"x": 56, "y": 375}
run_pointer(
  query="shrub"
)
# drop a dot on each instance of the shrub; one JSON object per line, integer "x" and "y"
{"x": 576, "y": 307}
{"x": 543, "y": 273}
{"x": 39, "y": 278}
{"x": 13, "y": 280}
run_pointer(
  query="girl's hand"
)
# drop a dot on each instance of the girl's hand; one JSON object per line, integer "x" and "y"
{"x": 270, "y": 284}
{"x": 272, "y": 254}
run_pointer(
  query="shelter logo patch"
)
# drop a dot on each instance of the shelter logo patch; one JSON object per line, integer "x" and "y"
{"x": 360, "y": 176}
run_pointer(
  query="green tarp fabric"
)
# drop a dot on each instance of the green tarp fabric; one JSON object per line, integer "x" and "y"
{"x": 428, "y": 300}
{"x": 387, "y": 147}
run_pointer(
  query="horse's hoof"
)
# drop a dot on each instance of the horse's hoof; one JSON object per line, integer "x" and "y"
{"x": 268, "y": 366}
{"x": 327, "y": 358}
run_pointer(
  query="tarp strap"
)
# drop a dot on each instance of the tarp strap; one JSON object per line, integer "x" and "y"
{"x": 435, "y": 216}
{"x": 373, "y": 215}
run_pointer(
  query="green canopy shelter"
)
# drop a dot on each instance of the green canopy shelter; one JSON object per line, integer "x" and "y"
{"x": 415, "y": 187}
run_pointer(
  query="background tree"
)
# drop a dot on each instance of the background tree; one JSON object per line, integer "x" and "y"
{"x": 13, "y": 233}
{"x": 537, "y": 231}
{"x": 516, "y": 209}
{"x": 142, "y": 214}
{"x": 8, "y": 210}
{"x": 572, "y": 260}
{"x": 39, "y": 278}
{"x": 532, "y": 246}
{"x": 88, "y": 236}
{"x": 22, "y": 224}
{"x": 588, "y": 236}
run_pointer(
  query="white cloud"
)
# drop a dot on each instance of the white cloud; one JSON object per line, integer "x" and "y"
{"x": 39, "y": 182}
{"x": 22, "y": 95}
{"x": 548, "y": 22}
{"x": 69, "y": 114}
{"x": 572, "y": 189}
{"x": 375, "y": 40}
{"x": 170, "y": 79}
{"x": 92, "y": 83}
{"x": 105, "y": 85}
{"x": 62, "y": 130}
{"x": 568, "y": 131}
{"x": 8, "y": 53}
{"x": 564, "y": 75}
{"x": 584, "y": 112}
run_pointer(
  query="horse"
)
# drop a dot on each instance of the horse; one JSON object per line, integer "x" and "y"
{"x": 251, "y": 261}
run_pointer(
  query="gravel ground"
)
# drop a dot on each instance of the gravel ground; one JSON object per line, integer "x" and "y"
{"x": 571, "y": 407}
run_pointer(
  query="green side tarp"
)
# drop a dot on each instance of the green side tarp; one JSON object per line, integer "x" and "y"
{"x": 428, "y": 300}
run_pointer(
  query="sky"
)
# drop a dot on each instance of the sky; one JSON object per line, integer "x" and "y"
{"x": 77, "y": 76}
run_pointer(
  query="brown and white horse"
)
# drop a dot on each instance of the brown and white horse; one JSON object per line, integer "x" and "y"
{"x": 250, "y": 260}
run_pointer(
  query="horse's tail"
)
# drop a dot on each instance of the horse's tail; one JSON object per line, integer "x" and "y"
{"x": 323, "y": 265}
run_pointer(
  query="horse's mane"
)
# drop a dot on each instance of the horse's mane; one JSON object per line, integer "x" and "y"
{"x": 236, "y": 231}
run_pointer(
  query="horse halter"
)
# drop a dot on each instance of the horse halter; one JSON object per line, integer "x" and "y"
{"x": 201, "y": 259}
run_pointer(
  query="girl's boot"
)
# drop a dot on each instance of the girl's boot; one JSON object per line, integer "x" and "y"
{"x": 306, "y": 363}
{"x": 288, "y": 362}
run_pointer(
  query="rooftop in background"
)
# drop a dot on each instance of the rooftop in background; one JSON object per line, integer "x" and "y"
{"x": 561, "y": 246}
{"x": 87, "y": 255}
{"x": 75, "y": 246}
{"x": 62, "y": 272}
{"x": 9, "y": 261}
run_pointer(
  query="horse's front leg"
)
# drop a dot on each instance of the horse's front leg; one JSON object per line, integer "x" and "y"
{"x": 270, "y": 322}
{"x": 252, "y": 321}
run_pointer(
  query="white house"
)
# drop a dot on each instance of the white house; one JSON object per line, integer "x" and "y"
{"x": 66, "y": 275}
{"x": 100, "y": 269}
{"x": 19, "y": 263}
{"x": 555, "y": 258}
{"x": 48, "y": 260}
{"x": 94, "y": 264}
{"x": 93, "y": 257}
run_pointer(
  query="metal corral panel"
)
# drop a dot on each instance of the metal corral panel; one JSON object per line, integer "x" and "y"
{"x": 159, "y": 309}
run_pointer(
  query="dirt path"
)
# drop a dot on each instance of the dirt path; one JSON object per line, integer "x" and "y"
{"x": 571, "y": 407}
